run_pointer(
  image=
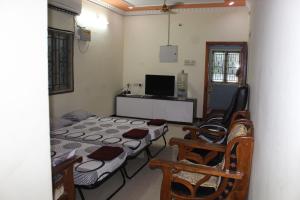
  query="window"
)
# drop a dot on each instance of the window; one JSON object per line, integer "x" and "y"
{"x": 60, "y": 61}
{"x": 224, "y": 66}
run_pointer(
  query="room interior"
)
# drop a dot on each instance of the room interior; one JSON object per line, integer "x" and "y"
{"x": 124, "y": 46}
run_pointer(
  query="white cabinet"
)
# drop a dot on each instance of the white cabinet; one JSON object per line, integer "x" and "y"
{"x": 149, "y": 108}
{"x": 134, "y": 107}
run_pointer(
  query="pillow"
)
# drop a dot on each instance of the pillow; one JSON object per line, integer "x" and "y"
{"x": 77, "y": 115}
{"x": 156, "y": 122}
{"x": 136, "y": 134}
{"x": 63, "y": 157}
{"x": 59, "y": 123}
{"x": 106, "y": 153}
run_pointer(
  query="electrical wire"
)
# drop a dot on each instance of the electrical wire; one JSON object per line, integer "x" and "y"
{"x": 169, "y": 19}
{"x": 78, "y": 40}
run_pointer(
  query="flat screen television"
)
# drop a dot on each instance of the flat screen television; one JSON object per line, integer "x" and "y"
{"x": 159, "y": 85}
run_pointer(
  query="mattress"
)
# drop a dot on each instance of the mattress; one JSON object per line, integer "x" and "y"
{"x": 109, "y": 131}
{"x": 89, "y": 171}
{"x": 88, "y": 135}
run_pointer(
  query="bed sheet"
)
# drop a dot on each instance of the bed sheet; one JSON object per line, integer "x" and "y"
{"x": 109, "y": 131}
{"x": 89, "y": 171}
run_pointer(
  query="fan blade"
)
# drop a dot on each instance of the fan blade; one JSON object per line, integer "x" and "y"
{"x": 175, "y": 5}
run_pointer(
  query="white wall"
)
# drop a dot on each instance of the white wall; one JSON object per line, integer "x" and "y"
{"x": 98, "y": 72}
{"x": 274, "y": 81}
{"x": 143, "y": 35}
{"x": 25, "y": 169}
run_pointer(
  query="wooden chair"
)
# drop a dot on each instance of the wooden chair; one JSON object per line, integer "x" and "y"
{"x": 63, "y": 182}
{"x": 204, "y": 155}
{"x": 229, "y": 180}
{"x": 238, "y": 102}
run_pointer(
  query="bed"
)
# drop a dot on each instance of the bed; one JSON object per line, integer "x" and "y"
{"x": 109, "y": 131}
{"x": 94, "y": 132}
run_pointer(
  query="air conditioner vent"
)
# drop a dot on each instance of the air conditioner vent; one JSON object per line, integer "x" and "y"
{"x": 72, "y": 6}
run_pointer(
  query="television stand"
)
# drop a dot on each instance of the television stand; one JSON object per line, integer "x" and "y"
{"x": 172, "y": 109}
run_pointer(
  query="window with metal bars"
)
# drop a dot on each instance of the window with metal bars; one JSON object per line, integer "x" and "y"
{"x": 60, "y": 61}
{"x": 224, "y": 66}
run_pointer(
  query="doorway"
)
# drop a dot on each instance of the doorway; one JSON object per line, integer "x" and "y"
{"x": 225, "y": 70}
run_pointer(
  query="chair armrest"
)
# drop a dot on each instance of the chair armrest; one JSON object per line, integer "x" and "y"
{"x": 156, "y": 163}
{"x": 192, "y": 130}
{"x": 65, "y": 165}
{"x": 195, "y": 132}
{"x": 210, "y": 130}
{"x": 197, "y": 144}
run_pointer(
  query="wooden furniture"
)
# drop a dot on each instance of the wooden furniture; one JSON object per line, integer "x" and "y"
{"x": 229, "y": 180}
{"x": 171, "y": 108}
{"x": 63, "y": 182}
{"x": 206, "y": 155}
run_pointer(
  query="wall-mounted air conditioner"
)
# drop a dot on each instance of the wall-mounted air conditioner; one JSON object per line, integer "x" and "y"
{"x": 73, "y": 6}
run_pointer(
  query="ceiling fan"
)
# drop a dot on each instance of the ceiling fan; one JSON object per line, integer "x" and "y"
{"x": 168, "y": 8}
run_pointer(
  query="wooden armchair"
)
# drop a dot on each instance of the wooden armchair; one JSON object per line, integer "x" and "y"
{"x": 216, "y": 131}
{"x": 205, "y": 155}
{"x": 238, "y": 102}
{"x": 63, "y": 182}
{"x": 229, "y": 180}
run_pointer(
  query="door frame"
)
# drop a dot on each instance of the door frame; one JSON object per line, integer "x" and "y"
{"x": 244, "y": 55}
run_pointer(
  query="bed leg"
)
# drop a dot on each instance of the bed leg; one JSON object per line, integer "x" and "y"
{"x": 120, "y": 187}
{"x": 80, "y": 193}
{"x": 161, "y": 149}
{"x": 147, "y": 153}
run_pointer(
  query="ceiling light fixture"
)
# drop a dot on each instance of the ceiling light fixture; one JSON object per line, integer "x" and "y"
{"x": 231, "y": 3}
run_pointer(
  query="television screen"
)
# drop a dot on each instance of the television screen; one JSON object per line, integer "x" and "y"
{"x": 159, "y": 85}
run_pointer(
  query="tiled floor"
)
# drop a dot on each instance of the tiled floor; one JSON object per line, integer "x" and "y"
{"x": 146, "y": 184}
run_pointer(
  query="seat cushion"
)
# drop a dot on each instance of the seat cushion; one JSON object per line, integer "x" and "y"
{"x": 181, "y": 190}
{"x": 194, "y": 178}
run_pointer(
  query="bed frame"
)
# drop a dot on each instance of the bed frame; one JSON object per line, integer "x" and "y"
{"x": 124, "y": 171}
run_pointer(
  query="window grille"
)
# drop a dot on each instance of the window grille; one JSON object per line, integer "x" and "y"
{"x": 224, "y": 66}
{"x": 60, "y": 61}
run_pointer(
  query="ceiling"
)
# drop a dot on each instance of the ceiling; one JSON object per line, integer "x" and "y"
{"x": 142, "y": 5}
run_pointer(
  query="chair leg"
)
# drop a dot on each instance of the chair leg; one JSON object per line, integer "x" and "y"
{"x": 165, "y": 192}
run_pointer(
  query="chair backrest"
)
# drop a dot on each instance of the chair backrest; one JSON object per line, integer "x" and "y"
{"x": 238, "y": 157}
{"x": 238, "y": 103}
{"x": 237, "y": 116}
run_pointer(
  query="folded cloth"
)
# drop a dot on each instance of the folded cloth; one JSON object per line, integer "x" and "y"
{"x": 136, "y": 134}
{"x": 106, "y": 153}
{"x": 156, "y": 122}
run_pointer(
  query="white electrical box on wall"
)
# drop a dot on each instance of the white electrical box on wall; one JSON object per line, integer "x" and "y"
{"x": 168, "y": 54}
